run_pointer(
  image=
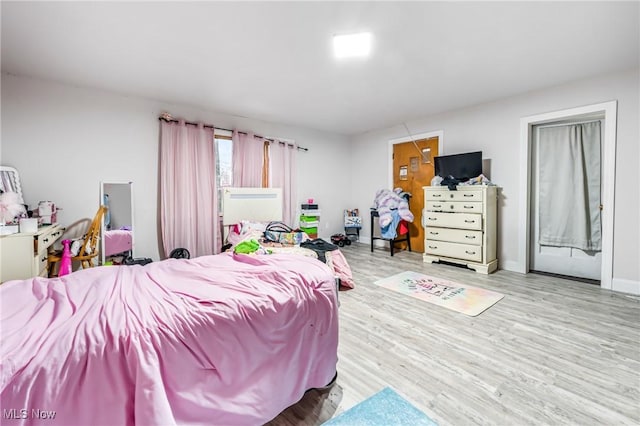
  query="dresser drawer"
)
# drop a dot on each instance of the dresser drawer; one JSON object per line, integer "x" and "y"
{"x": 454, "y": 206}
{"x": 452, "y": 220}
{"x": 456, "y": 250}
{"x": 41, "y": 263}
{"x": 458, "y": 195}
{"x": 45, "y": 239}
{"x": 463, "y": 236}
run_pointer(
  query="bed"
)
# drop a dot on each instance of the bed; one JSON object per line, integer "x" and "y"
{"x": 293, "y": 243}
{"x": 117, "y": 241}
{"x": 229, "y": 339}
{"x": 247, "y": 215}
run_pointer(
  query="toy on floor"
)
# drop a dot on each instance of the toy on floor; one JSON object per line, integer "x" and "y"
{"x": 340, "y": 240}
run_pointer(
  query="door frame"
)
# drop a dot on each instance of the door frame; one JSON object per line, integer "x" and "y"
{"x": 392, "y": 142}
{"x": 418, "y": 239}
{"x": 610, "y": 111}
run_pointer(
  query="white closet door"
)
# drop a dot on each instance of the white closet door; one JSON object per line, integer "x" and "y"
{"x": 568, "y": 261}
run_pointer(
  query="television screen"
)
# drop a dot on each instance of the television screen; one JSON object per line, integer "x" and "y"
{"x": 461, "y": 166}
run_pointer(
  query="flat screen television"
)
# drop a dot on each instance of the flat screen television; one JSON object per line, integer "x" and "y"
{"x": 461, "y": 166}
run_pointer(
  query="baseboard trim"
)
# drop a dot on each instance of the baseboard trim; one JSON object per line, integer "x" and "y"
{"x": 626, "y": 286}
{"x": 509, "y": 265}
{"x": 376, "y": 243}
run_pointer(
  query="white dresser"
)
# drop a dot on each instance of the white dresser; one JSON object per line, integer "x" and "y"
{"x": 24, "y": 255}
{"x": 460, "y": 226}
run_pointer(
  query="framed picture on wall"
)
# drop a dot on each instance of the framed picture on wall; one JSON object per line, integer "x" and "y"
{"x": 404, "y": 172}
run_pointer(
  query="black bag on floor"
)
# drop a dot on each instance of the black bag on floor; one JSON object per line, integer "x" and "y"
{"x": 180, "y": 253}
{"x": 136, "y": 261}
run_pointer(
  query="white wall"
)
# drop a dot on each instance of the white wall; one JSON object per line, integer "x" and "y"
{"x": 65, "y": 140}
{"x": 494, "y": 128}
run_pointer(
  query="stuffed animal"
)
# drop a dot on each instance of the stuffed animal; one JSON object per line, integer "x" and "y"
{"x": 10, "y": 207}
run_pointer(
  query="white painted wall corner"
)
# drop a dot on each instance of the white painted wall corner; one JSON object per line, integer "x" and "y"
{"x": 626, "y": 286}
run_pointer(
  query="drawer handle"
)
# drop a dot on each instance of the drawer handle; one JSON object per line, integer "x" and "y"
{"x": 432, "y": 218}
{"x": 437, "y": 195}
{"x": 42, "y": 259}
{"x": 469, "y": 221}
{"x": 471, "y": 237}
{"x": 433, "y": 247}
{"x": 437, "y": 206}
{"x": 46, "y": 240}
{"x": 468, "y": 207}
{"x": 470, "y": 252}
{"x": 434, "y": 233}
{"x": 467, "y": 195}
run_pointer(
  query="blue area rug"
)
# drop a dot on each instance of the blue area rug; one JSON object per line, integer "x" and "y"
{"x": 386, "y": 408}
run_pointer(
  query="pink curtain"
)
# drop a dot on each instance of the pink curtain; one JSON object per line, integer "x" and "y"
{"x": 247, "y": 157}
{"x": 282, "y": 167}
{"x": 188, "y": 195}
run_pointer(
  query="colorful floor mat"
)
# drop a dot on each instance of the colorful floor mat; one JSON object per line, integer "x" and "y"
{"x": 461, "y": 298}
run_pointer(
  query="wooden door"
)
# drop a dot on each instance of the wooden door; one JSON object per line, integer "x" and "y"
{"x": 412, "y": 169}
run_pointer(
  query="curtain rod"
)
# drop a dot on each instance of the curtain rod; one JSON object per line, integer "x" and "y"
{"x": 208, "y": 126}
{"x": 565, "y": 123}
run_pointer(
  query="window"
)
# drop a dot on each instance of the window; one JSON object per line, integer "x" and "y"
{"x": 223, "y": 161}
{"x": 224, "y": 172}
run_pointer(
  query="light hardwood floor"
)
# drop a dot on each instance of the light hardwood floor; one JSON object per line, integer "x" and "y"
{"x": 551, "y": 352}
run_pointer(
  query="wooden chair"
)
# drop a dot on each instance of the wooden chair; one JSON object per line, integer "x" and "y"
{"x": 89, "y": 249}
{"x": 392, "y": 242}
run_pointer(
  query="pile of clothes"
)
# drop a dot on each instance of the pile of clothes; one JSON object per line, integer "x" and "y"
{"x": 452, "y": 182}
{"x": 392, "y": 207}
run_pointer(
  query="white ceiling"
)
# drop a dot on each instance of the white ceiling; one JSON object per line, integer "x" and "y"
{"x": 272, "y": 60}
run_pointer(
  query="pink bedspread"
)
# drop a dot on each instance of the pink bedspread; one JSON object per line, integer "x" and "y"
{"x": 217, "y": 340}
{"x": 117, "y": 241}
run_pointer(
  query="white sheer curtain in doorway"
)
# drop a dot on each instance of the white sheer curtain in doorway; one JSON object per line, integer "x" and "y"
{"x": 569, "y": 186}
